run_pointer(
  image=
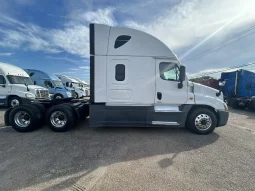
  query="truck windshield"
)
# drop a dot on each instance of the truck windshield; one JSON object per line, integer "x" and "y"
{"x": 57, "y": 83}
{"x": 19, "y": 80}
{"x": 75, "y": 85}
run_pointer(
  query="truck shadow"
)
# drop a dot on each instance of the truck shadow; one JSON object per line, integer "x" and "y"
{"x": 246, "y": 112}
{"x": 64, "y": 159}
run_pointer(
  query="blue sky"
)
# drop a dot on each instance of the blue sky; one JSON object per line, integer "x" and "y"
{"x": 53, "y": 35}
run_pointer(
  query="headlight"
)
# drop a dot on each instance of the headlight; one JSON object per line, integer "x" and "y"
{"x": 29, "y": 95}
{"x": 69, "y": 94}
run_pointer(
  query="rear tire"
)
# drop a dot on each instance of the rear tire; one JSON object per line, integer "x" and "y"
{"x": 25, "y": 118}
{"x": 14, "y": 101}
{"x": 42, "y": 111}
{"x": 6, "y": 117}
{"x": 201, "y": 121}
{"x": 60, "y": 118}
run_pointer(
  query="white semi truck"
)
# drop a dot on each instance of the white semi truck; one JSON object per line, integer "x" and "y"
{"x": 83, "y": 86}
{"x": 16, "y": 87}
{"x": 135, "y": 80}
{"x": 72, "y": 83}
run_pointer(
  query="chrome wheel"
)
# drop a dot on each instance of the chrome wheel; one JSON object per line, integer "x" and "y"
{"x": 22, "y": 119}
{"x": 203, "y": 122}
{"x": 58, "y": 119}
{"x": 14, "y": 102}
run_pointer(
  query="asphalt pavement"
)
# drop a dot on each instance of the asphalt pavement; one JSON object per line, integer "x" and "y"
{"x": 130, "y": 158}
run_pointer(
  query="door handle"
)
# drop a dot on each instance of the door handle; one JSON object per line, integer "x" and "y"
{"x": 159, "y": 95}
{"x": 3, "y": 86}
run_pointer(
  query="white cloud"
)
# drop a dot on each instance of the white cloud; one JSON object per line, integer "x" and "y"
{"x": 191, "y": 20}
{"x": 85, "y": 67}
{"x": 73, "y": 38}
{"x": 194, "y": 25}
{"x": 66, "y": 59}
{"x": 6, "y": 54}
{"x": 102, "y": 16}
{"x": 65, "y": 73}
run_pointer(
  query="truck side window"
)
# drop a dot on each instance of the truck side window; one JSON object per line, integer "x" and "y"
{"x": 120, "y": 72}
{"x": 48, "y": 83}
{"x": 169, "y": 71}
{"x": 121, "y": 40}
{"x": 2, "y": 80}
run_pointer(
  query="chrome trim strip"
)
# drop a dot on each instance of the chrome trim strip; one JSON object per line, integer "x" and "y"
{"x": 161, "y": 108}
{"x": 164, "y": 123}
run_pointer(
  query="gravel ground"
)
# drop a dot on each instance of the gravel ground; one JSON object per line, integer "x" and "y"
{"x": 130, "y": 158}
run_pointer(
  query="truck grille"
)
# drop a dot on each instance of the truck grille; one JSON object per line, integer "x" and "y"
{"x": 41, "y": 94}
{"x": 73, "y": 93}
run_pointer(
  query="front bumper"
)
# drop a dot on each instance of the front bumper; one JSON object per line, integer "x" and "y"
{"x": 28, "y": 100}
{"x": 222, "y": 118}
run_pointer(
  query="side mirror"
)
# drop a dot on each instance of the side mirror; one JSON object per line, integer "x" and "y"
{"x": 182, "y": 73}
{"x": 182, "y": 76}
{"x": 222, "y": 83}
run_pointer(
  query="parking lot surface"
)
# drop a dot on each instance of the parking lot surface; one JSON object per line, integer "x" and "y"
{"x": 130, "y": 158}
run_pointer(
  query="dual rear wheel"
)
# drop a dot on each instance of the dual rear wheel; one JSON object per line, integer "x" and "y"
{"x": 29, "y": 117}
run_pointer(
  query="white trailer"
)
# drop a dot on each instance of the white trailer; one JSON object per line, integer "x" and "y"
{"x": 136, "y": 80}
{"x": 72, "y": 83}
{"x": 16, "y": 87}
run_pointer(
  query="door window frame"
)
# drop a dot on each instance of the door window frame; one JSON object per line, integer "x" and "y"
{"x": 176, "y": 66}
{"x": 4, "y": 80}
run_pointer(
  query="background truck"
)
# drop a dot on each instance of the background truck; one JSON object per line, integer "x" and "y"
{"x": 135, "y": 80}
{"x": 72, "y": 83}
{"x": 83, "y": 85}
{"x": 239, "y": 91}
{"x": 86, "y": 85}
{"x": 16, "y": 87}
{"x": 52, "y": 83}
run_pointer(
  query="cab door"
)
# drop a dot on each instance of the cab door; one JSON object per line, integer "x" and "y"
{"x": 167, "y": 80}
{"x": 5, "y": 89}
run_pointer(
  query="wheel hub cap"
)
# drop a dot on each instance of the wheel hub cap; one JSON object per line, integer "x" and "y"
{"x": 22, "y": 119}
{"x": 14, "y": 102}
{"x": 58, "y": 119}
{"x": 203, "y": 122}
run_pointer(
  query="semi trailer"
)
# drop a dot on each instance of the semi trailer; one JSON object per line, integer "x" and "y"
{"x": 16, "y": 87}
{"x": 239, "y": 91}
{"x": 135, "y": 80}
{"x": 55, "y": 86}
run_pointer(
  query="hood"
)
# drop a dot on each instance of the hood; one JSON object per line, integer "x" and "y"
{"x": 68, "y": 88}
{"x": 205, "y": 90}
{"x": 22, "y": 86}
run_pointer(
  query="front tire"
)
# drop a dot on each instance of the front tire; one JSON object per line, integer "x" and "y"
{"x": 201, "y": 121}
{"x": 14, "y": 101}
{"x": 58, "y": 96}
{"x": 76, "y": 96}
